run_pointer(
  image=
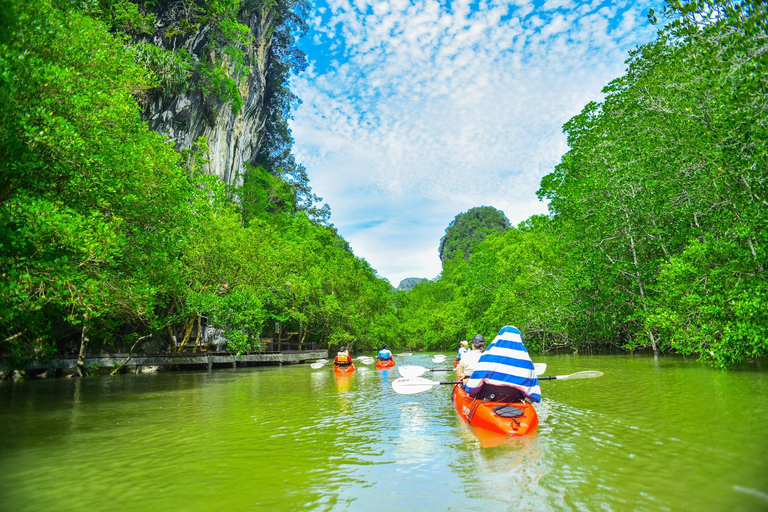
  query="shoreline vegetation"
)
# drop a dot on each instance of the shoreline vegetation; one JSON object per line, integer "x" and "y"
{"x": 113, "y": 241}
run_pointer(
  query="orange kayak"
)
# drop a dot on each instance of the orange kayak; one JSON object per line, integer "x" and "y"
{"x": 385, "y": 364}
{"x": 344, "y": 369}
{"x": 510, "y": 419}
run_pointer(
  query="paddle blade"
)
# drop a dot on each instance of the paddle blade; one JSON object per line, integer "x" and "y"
{"x": 411, "y": 371}
{"x": 412, "y": 385}
{"x": 581, "y": 375}
{"x": 366, "y": 360}
{"x": 315, "y": 366}
{"x": 540, "y": 368}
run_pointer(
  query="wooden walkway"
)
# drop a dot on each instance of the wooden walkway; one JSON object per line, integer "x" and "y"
{"x": 209, "y": 360}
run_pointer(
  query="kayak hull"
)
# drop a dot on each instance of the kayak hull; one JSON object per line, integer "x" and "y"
{"x": 385, "y": 364}
{"x": 482, "y": 415}
{"x": 344, "y": 369}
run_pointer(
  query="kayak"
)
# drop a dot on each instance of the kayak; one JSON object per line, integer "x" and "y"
{"x": 344, "y": 369}
{"x": 389, "y": 363}
{"x": 508, "y": 418}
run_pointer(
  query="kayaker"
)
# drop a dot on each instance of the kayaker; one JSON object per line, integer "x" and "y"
{"x": 470, "y": 358}
{"x": 463, "y": 349}
{"x": 505, "y": 372}
{"x": 343, "y": 358}
{"x": 384, "y": 354}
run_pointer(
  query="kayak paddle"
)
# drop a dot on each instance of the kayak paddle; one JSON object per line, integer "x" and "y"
{"x": 418, "y": 371}
{"x": 573, "y": 376}
{"x": 413, "y": 385}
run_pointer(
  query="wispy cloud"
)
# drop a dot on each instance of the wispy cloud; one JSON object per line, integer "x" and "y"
{"x": 415, "y": 111}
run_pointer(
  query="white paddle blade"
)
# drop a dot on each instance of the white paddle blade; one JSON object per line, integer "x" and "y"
{"x": 366, "y": 360}
{"x": 412, "y": 385}
{"x": 411, "y": 371}
{"x": 540, "y": 368}
{"x": 581, "y": 375}
{"x": 317, "y": 365}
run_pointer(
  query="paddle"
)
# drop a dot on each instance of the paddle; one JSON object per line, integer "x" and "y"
{"x": 413, "y": 385}
{"x": 418, "y": 371}
{"x": 322, "y": 362}
{"x": 573, "y": 376}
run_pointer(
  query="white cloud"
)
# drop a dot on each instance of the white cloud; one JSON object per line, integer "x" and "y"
{"x": 423, "y": 111}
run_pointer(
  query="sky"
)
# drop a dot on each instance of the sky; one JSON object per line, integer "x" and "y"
{"x": 414, "y": 111}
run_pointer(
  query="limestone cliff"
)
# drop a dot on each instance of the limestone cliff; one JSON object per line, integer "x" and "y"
{"x": 187, "y": 115}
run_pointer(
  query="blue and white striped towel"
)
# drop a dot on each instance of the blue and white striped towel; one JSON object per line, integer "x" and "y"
{"x": 506, "y": 363}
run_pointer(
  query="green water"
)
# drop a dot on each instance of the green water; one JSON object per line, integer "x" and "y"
{"x": 649, "y": 435}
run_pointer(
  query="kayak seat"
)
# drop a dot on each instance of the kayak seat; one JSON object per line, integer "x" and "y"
{"x": 507, "y": 411}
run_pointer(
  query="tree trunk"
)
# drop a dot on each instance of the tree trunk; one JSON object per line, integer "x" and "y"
{"x": 197, "y": 336}
{"x": 187, "y": 333}
{"x": 639, "y": 279}
{"x": 120, "y": 368}
{"x": 81, "y": 371}
{"x": 171, "y": 338}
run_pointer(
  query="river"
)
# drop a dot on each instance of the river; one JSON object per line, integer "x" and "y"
{"x": 667, "y": 434}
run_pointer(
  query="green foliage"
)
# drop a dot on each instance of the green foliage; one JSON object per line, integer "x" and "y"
{"x": 169, "y": 70}
{"x": 663, "y": 190}
{"x": 658, "y": 221}
{"x": 92, "y": 203}
{"x": 215, "y": 81}
{"x": 470, "y": 228}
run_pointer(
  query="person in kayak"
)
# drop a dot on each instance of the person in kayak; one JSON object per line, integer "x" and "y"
{"x": 384, "y": 354}
{"x": 505, "y": 372}
{"x": 342, "y": 359}
{"x": 463, "y": 349}
{"x": 470, "y": 358}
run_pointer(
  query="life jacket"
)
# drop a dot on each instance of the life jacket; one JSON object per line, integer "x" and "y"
{"x": 343, "y": 359}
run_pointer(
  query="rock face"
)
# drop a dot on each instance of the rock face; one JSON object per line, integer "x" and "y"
{"x": 408, "y": 283}
{"x": 233, "y": 138}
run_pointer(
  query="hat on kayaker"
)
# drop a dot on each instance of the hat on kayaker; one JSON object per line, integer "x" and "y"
{"x": 463, "y": 342}
{"x": 384, "y": 346}
{"x": 478, "y": 338}
{"x": 342, "y": 349}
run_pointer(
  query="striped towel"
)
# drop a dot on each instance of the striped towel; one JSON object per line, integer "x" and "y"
{"x": 506, "y": 363}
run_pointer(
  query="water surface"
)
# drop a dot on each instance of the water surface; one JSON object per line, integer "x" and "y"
{"x": 667, "y": 434}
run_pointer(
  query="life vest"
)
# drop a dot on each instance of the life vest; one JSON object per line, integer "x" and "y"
{"x": 343, "y": 359}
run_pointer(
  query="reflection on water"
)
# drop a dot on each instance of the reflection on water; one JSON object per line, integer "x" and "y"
{"x": 666, "y": 434}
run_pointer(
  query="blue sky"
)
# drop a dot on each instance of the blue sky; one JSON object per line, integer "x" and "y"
{"x": 415, "y": 111}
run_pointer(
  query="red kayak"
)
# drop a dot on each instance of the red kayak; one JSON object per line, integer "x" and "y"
{"x": 508, "y": 418}
{"x": 389, "y": 363}
{"x": 344, "y": 369}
